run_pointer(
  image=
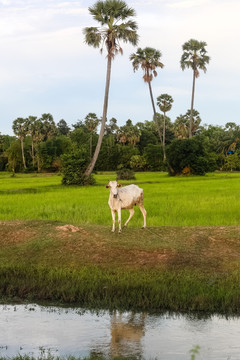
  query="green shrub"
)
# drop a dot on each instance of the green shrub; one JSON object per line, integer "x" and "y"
{"x": 125, "y": 174}
{"x": 188, "y": 154}
{"x": 73, "y": 169}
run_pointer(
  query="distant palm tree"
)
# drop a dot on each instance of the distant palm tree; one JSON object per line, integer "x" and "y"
{"x": 114, "y": 18}
{"x": 164, "y": 102}
{"x": 148, "y": 59}
{"x": 181, "y": 124}
{"x": 20, "y": 129}
{"x": 31, "y": 131}
{"x": 194, "y": 57}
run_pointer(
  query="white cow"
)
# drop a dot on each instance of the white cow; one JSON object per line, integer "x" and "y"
{"x": 125, "y": 198}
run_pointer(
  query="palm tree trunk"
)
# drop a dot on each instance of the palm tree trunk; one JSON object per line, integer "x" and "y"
{"x": 192, "y": 104}
{"x": 38, "y": 163}
{"x": 33, "y": 157}
{"x": 154, "y": 112}
{"x": 151, "y": 95}
{"x": 90, "y": 145}
{"x": 23, "y": 157}
{"x": 164, "y": 135}
{"x": 104, "y": 118}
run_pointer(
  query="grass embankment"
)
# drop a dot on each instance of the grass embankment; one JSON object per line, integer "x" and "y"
{"x": 161, "y": 267}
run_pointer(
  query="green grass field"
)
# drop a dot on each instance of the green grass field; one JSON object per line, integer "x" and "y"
{"x": 213, "y": 199}
{"x": 187, "y": 259}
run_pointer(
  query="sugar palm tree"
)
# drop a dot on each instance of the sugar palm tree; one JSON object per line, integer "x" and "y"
{"x": 31, "y": 131}
{"x": 194, "y": 57}
{"x": 164, "y": 102}
{"x": 20, "y": 129}
{"x": 115, "y": 18}
{"x": 148, "y": 59}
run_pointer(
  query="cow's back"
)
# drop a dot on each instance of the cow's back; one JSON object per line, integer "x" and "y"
{"x": 130, "y": 195}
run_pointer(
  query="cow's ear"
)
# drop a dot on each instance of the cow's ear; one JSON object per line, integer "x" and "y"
{"x": 107, "y": 186}
{"x": 119, "y": 185}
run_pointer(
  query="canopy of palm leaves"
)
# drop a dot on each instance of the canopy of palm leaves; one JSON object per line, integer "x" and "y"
{"x": 194, "y": 56}
{"x": 164, "y": 102}
{"x": 113, "y": 16}
{"x": 148, "y": 59}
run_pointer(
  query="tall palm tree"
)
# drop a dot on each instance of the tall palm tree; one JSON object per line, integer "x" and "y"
{"x": 148, "y": 59}
{"x": 31, "y": 131}
{"x": 194, "y": 57}
{"x": 114, "y": 17}
{"x": 164, "y": 102}
{"x": 20, "y": 129}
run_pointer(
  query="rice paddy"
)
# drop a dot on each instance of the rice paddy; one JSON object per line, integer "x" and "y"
{"x": 213, "y": 199}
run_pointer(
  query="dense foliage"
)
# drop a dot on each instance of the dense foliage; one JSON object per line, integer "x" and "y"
{"x": 73, "y": 168}
{"x": 48, "y": 146}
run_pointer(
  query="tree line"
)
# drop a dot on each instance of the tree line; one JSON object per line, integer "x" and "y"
{"x": 40, "y": 144}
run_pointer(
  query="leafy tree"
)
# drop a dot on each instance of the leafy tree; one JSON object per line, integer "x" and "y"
{"x": 147, "y": 137}
{"x": 20, "y": 129}
{"x": 40, "y": 130}
{"x": 14, "y": 157}
{"x": 112, "y": 127}
{"x": 79, "y": 124}
{"x": 153, "y": 155}
{"x": 129, "y": 133}
{"x": 5, "y": 142}
{"x": 194, "y": 57}
{"x": 187, "y": 156}
{"x": 148, "y": 59}
{"x": 181, "y": 124}
{"x": 73, "y": 169}
{"x": 48, "y": 128}
{"x": 125, "y": 155}
{"x": 80, "y": 138}
{"x": 91, "y": 123}
{"x": 137, "y": 162}
{"x": 232, "y": 161}
{"x": 114, "y": 17}
{"x": 62, "y": 127}
{"x": 109, "y": 156}
{"x": 164, "y": 102}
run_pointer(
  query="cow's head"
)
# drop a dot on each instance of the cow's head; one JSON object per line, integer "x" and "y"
{"x": 113, "y": 186}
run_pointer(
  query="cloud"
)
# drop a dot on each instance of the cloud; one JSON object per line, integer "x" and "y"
{"x": 187, "y": 3}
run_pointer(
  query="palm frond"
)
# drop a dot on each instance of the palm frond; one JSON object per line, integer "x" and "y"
{"x": 93, "y": 36}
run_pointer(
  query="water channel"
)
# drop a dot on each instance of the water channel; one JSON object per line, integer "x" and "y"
{"x": 36, "y": 330}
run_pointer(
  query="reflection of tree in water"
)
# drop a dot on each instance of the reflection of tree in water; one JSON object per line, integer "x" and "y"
{"x": 127, "y": 331}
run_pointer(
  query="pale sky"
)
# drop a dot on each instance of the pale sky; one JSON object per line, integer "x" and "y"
{"x": 45, "y": 66}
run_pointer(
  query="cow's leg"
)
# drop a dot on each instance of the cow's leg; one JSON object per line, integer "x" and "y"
{"x": 141, "y": 207}
{"x": 131, "y": 211}
{"x": 113, "y": 220}
{"x": 119, "y": 221}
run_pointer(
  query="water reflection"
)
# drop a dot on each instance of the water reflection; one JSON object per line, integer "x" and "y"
{"x": 36, "y": 330}
{"x": 127, "y": 331}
